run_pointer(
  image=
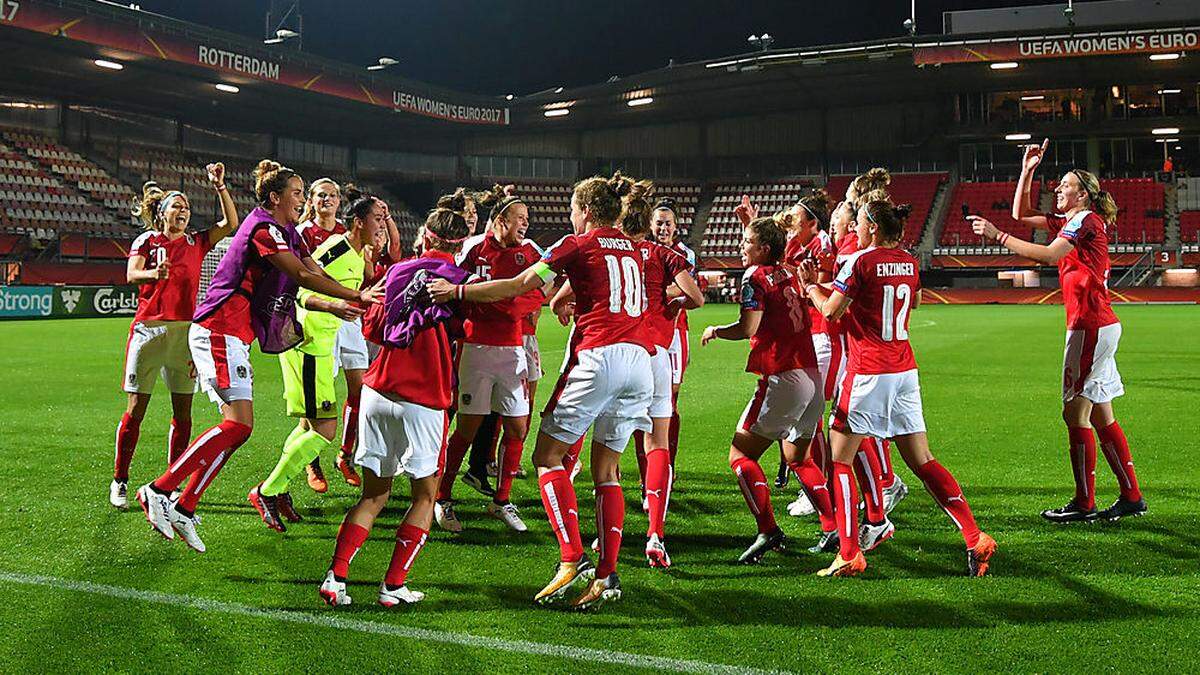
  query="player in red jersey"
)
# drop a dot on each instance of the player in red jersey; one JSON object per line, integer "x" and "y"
{"x": 669, "y": 288}
{"x": 406, "y": 396}
{"x": 165, "y": 262}
{"x": 877, "y": 288}
{"x": 264, "y": 252}
{"x": 319, "y": 222}
{"x": 665, "y": 231}
{"x": 492, "y": 372}
{"x": 609, "y": 384}
{"x": 1090, "y": 377}
{"x": 788, "y": 400}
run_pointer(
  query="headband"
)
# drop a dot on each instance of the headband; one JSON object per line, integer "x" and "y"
{"x": 498, "y": 209}
{"x": 435, "y": 235}
{"x": 665, "y": 203}
{"x": 810, "y": 211}
{"x": 1082, "y": 182}
{"x": 162, "y": 204}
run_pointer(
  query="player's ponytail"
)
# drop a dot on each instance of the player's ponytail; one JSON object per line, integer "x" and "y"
{"x": 635, "y": 220}
{"x": 358, "y": 203}
{"x": 497, "y": 200}
{"x": 446, "y": 225}
{"x": 877, "y": 178}
{"x": 147, "y": 209}
{"x": 1099, "y": 201}
{"x": 817, "y": 205}
{"x": 603, "y": 197}
{"x": 888, "y": 218}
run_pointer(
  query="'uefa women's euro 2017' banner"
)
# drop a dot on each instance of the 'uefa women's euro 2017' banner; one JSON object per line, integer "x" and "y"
{"x": 75, "y": 24}
{"x": 1058, "y": 46}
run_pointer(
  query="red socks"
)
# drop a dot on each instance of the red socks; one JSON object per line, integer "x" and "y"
{"x": 949, "y": 496}
{"x": 456, "y": 450}
{"x": 1083, "y": 466}
{"x": 350, "y": 538}
{"x": 818, "y": 449}
{"x": 558, "y": 496}
{"x": 883, "y": 459}
{"x": 845, "y": 508}
{"x": 1116, "y": 451}
{"x": 867, "y": 471}
{"x": 756, "y": 491}
{"x": 181, "y": 433}
{"x": 659, "y": 476}
{"x": 510, "y": 461}
{"x": 812, "y": 479}
{"x": 571, "y": 459}
{"x": 410, "y": 539}
{"x": 204, "y": 456}
{"x": 349, "y": 425}
{"x": 199, "y": 482}
{"x": 127, "y": 438}
{"x": 610, "y": 522}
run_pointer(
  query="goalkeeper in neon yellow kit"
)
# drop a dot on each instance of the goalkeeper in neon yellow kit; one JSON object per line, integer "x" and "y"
{"x": 309, "y": 369}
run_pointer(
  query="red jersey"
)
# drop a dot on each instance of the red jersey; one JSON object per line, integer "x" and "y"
{"x": 821, "y": 244}
{"x": 606, "y": 274}
{"x": 173, "y": 298}
{"x": 783, "y": 341}
{"x": 681, "y": 322}
{"x": 883, "y": 283}
{"x": 233, "y": 316}
{"x": 314, "y": 235}
{"x": 1083, "y": 273}
{"x": 661, "y": 266}
{"x": 422, "y": 373}
{"x": 499, "y": 324}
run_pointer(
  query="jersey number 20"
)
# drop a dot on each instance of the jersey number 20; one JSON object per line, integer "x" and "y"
{"x": 624, "y": 285}
{"x": 894, "y": 324}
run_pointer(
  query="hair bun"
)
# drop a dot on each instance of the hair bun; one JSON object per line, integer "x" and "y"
{"x": 879, "y": 175}
{"x": 902, "y": 211}
{"x": 620, "y": 185}
{"x": 265, "y": 167}
{"x": 641, "y": 190}
{"x": 458, "y": 201}
{"x": 354, "y": 193}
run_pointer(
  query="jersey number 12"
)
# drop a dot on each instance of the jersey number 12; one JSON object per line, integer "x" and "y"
{"x": 895, "y": 324}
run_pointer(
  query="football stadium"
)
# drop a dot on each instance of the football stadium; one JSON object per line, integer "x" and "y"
{"x": 862, "y": 343}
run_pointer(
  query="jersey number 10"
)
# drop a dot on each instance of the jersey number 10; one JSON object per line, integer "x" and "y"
{"x": 627, "y": 295}
{"x": 894, "y": 325}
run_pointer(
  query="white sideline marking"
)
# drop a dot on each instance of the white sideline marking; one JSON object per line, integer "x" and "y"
{"x": 330, "y": 620}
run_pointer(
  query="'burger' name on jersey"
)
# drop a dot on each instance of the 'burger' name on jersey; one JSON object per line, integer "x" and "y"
{"x": 618, "y": 244}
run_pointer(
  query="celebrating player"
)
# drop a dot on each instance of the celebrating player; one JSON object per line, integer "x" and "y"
{"x": 407, "y": 393}
{"x": 1090, "y": 377}
{"x": 309, "y": 368}
{"x": 609, "y": 383}
{"x": 251, "y": 296}
{"x": 165, "y": 263}
{"x": 788, "y": 400}
{"x": 492, "y": 366}
{"x": 665, "y": 229}
{"x": 878, "y": 287}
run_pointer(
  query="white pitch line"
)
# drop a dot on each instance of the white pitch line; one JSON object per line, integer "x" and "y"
{"x": 331, "y": 620}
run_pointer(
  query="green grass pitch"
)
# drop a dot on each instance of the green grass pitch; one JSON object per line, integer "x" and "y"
{"x": 1121, "y": 597}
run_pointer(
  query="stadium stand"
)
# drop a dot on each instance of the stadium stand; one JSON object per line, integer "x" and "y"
{"x": 550, "y": 206}
{"x": 1189, "y": 227}
{"x": 1140, "y": 218}
{"x": 988, "y": 199}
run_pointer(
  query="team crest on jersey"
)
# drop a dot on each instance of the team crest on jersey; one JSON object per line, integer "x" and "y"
{"x": 520, "y": 258}
{"x": 241, "y": 372}
{"x": 132, "y": 378}
{"x": 326, "y": 405}
{"x": 466, "y": 399}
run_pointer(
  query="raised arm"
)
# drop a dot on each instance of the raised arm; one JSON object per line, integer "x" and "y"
{"x": 1023, "y": 208}
{"x": 229, "y": 215}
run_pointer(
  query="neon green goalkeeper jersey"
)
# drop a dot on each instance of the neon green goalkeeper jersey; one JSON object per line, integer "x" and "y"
{"x": 345, "y": 265}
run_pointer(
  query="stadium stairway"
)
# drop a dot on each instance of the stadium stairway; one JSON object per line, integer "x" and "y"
{"x": 937, "y": 216}
{"x": 1171, "y": 216}
{"x": 700, "y": 223}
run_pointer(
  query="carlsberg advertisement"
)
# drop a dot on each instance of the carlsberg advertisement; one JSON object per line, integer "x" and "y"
{"x": 67, "y": 302}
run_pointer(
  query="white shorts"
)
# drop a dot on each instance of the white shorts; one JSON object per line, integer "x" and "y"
{"x": 885, "y": 405}
{"x": 533, "y": 359}
{"x": 609, "y": 387}
{"x": 786, "y": 406}
{"x": 350, "y": 347}
{"x": 660, "y": 368}
{"x": 398, "y": 436}
{"x": 222, "y": 365}
{"x": 1090, "y": 364}
{"x": 824, "y": 349}
{"x": 159, "y": 349}
{"x": 680, "y": 354}
{"x": 492, "y": 379}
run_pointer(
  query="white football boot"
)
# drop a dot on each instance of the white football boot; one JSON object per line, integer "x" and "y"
{"x": 871, "y": 536}
{"x": 443, "y": 513}
{"x": 332, "y": 591}
{"x": 156, "y": 506}
{"x": 185, "y": 527}
{"x": 508, "y": 514}
{"x": 801, "y": 506}
{"x": 894, "y": 495}
{"x": 391, "y": 598}
{"x": 118, "y": 494}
